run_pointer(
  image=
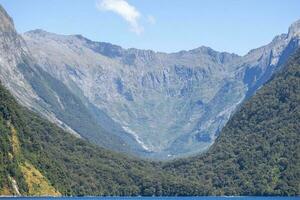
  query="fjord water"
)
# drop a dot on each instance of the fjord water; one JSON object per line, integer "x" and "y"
{"x": 161, "y": 198}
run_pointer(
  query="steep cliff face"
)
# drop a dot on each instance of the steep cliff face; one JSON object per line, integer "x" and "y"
{"x": 11, "y": 53}
{"x": 259, "y": 64}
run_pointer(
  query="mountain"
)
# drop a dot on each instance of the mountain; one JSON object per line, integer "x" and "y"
{"x": 141, "y": 93}
{"x": 258, "y": 151}
{"x": 42, "y": 93}
{"x": 149, "y": 104}
{"x": 164, "y": 101}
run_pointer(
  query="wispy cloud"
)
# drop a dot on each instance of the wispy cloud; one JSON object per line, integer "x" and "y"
{"x": 125, "y": 10}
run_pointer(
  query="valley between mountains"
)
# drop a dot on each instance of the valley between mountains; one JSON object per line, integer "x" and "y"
{"x": 79, "y": 117}
{"x": 140, "y": 102}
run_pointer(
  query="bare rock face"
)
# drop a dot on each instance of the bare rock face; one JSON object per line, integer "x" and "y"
{"x": 11, "y": 53}
{"x": 146, "y": 103}
{"x": 294, "y": 29}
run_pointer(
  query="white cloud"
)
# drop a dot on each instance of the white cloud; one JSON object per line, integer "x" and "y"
{"x": 151, "y": 19}
{"x": 125, "y": 10}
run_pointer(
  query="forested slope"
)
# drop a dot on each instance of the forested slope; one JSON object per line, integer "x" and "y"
{"x": 258, "y": 151}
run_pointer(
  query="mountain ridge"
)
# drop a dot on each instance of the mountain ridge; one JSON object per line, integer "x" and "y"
{"x": 39, "y": 31}
{"x": 139, "y": 72}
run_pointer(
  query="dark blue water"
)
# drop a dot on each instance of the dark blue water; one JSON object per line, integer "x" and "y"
{"x": 153, "y": 198}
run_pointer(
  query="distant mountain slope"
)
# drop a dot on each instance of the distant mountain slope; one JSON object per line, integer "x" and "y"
{"x": 43, "y": 93}
{"x": 258, "y": 151}
{"x": 164, "y": 101}
{"x": 153, "y": 96}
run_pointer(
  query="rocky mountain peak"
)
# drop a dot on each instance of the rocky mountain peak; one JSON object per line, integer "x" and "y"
{"x": 6, "y": 23}
{"x": 221, "y": 57}
{"x": 37, "y": 32}
{"x": 10, "y": 43}
{"x": 294, "y": 29}
{"x": 203, "y": 49}
{"x": 40, "y": 33}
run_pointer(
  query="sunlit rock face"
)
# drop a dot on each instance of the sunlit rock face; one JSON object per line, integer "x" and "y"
{"x": 11, "y": 53}
{"x": 146, "y": 103}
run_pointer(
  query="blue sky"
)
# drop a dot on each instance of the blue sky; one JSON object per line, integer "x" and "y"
{"x": 161, "y": 25}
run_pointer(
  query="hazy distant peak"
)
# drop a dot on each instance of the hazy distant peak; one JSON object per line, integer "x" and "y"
{"x": 203, "y": 49}
{"x": 37, "y": 31}
{"x": 278, "y": 41}
{"x": 294, "y": 29}
{"x": 106, "y": 46}
{"x": 40, "y": 33}
{"x": 280, "y": 37}
{"x": 6, "y": 23}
